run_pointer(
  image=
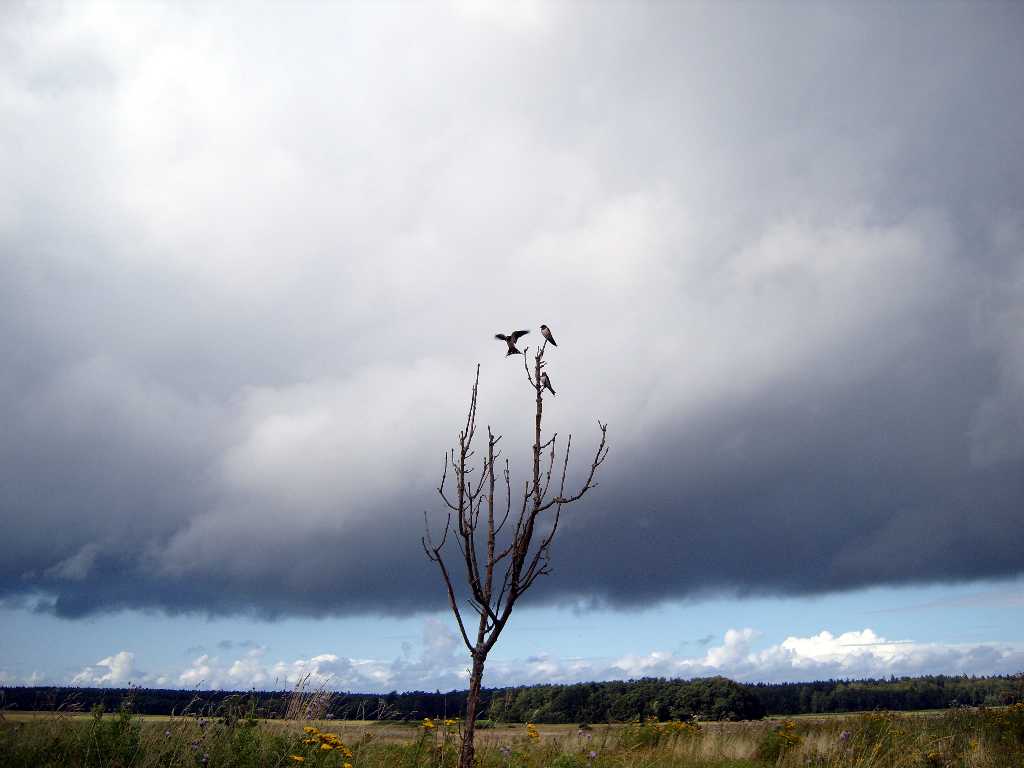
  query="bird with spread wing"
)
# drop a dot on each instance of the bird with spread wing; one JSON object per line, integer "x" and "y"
{"x": 511, "y": 340}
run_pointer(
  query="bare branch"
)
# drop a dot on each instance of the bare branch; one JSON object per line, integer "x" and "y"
{"x": 440, "y": 488}
{"x": 526, "y": 367}
{"x": 551, "y": 464}
{"x": 599, "y": 456}
{"x": 434, "y": 554}
{"x": 508, "y": 499}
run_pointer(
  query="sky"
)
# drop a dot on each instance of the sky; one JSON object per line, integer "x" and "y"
{"x": 251, "y": 255}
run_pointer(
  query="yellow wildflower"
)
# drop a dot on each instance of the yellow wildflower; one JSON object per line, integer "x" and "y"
{"x": 298, "y": 758}
{"x": 310, "y": 729}
{"x": 346, "y": 765}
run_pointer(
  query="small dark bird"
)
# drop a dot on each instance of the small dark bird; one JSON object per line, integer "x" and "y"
{"x": 511, "y": 340}
{"x": 547, "y": 382}
{"x": 547, "y": 335}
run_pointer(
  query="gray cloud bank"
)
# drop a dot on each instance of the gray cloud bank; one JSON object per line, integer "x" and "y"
{"x": 248, "y": 262}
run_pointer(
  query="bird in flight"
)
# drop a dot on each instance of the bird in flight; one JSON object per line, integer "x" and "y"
{"x": 547, "y": 335}
{"x": 511, "y": 340}
{"x": 546, "y": 381}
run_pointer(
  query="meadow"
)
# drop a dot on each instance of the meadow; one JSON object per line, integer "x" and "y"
{"x": 232, "y": 736}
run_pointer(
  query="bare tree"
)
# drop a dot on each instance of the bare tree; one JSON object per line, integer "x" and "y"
{"x": 499, "y": 565}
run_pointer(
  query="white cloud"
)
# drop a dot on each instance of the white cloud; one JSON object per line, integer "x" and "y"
{"x": 517, "y": 15}
{"x": 442, "y": 663}
{"x": 198, "y": 673}
{"x": 113, "y": 670}
{"x": 249, "y": 670}
{"x": 851, "y": 654}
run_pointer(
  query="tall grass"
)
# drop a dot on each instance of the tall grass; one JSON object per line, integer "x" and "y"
{"x": 305, "y": 703}
{"x": 232, "y": 735}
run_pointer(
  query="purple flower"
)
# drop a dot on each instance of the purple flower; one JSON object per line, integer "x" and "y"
{"x": 591, "y": 755}
{"x": 844, "y": 736}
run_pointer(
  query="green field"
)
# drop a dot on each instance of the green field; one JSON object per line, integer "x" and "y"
{"x": 961, "y": 738}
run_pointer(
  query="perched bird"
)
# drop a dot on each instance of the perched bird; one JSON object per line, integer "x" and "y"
{"x": 547, "y": 335}
{"x": 547, "y": 382}
{"x": 511, "y": 340}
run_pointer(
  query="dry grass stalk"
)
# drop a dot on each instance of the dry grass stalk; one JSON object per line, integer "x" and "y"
{"x": 308, "y": 704}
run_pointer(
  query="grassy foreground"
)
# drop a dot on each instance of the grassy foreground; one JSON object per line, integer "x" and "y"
{"x": 975, "y": 738}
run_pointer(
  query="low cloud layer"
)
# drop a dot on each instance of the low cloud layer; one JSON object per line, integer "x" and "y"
{"x": 849, "y": 655}
{"x": 249, "y": 262}
{"x": 439, "y": 663}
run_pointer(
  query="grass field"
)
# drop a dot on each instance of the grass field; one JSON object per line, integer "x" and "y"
{"x": 962, "y": 738}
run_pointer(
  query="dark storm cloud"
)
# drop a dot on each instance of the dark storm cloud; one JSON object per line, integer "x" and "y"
{"x": 245, "y": 277}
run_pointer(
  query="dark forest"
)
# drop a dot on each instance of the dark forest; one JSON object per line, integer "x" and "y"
{"x": 714, "y": 698}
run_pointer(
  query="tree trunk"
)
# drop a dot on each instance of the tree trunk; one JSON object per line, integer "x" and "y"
{"x": 468, "y": 754}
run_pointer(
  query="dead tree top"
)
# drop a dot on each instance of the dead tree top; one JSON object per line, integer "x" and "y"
{"x": 520, "y": 556}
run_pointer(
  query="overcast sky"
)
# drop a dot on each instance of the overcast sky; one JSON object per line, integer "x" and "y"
{"x": 250, "y": 255}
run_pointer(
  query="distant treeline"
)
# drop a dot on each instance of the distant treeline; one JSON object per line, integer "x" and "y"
{"x": 714, "y": 698}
